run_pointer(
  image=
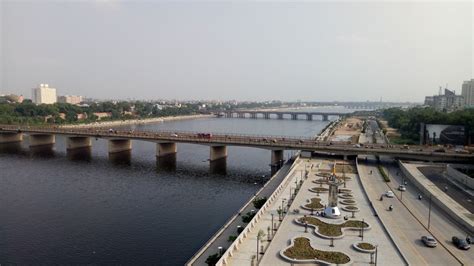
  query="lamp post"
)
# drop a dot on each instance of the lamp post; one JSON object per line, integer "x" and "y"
{"x": 272, "y": 225}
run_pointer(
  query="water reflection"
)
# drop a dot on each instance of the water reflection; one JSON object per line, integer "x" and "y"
{"x": 11, "y": 148}
{"x": 42, "y": 151}
{"x": 121, "y": 158}
{"x": 166, "y": 163}
{"x": 218, "y": 167}
{"x": 82, "y": 154}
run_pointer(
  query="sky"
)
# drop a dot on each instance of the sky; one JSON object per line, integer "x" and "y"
{"x": 237, "y": 50}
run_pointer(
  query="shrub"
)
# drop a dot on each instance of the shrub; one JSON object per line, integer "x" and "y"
{"x": 384, "y": 175}
{"x": 213, "y": 259}
{"x": 232, "y": 238}
{"x": 258, "y": 202}
{"x": 248, "y": 217}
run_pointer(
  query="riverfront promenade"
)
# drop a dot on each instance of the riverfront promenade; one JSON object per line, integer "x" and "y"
{"x": 220, "y": 239}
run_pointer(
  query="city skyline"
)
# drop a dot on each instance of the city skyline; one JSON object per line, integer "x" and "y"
{"x": 237, "y": 51}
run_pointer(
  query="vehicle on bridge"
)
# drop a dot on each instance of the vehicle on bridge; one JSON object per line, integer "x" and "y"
{"x": 460, "y": 243}
{"x": 429, "y": 241}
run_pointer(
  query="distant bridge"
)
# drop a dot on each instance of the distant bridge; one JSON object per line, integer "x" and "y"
{"x": 278, "y": 114}
{"x": 166, "y": 142}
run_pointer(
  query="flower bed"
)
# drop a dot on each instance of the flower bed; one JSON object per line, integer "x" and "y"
{"x": 302, "y": 251}
{"x": 348, "y": 202}
{"x": 320, "y": 181}
{"x": 328, "y": 230}
{"x": 345, "y": 190}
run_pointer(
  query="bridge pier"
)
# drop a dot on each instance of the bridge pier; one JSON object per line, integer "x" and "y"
{"x": 166, "y": 149}
{"x": 119, "y": 145}
{"x": 266, "y": 115}
{"x": 241, "y": 115}
{"x": 276, "y": 161}
{"x": 325, "y": 117}
{"x": 294, "y": 117}
{"x": 309, "y": 117}
{"x": 73, "y": 143}
{"x": 42, "y": 140}
{"x": 253, "y": 115}
{"x": 217, "y": 153}
{"x": 280, "y": 116}
{"x": 7, "y": 137}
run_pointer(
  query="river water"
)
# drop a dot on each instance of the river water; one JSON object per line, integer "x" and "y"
{"x": 87, "y": 208}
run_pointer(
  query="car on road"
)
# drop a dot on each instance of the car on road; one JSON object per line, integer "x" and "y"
{"x": 460, "y": 243}
{"x": 402, "y": 188}
{"x": 174, "y": 135}
{"x": 429, "y": 241}
{"x": 389, "y": 194}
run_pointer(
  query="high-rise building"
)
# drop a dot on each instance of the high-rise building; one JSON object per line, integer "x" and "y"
{"x": 72, "y": 99}
{"x": 44, "y": 94}
{"x": 468, "y": 93}
{"x": 448, "y": 101}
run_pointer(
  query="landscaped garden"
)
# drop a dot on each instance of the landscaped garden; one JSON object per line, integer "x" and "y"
{"x": 332, "y": 230}
{"x": 301, "y": 249}
{"x": 315, "y": 204}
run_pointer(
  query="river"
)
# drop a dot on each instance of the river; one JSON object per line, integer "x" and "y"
{"x": 87, "y": 208}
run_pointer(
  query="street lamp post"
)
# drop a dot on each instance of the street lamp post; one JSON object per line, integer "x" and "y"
{"x": 429, "y": 214}
{"x": 272, "y": 225}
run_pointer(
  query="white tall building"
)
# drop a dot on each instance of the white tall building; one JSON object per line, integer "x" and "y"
{"x": 468, "y": 93}
{"x": 44, "y": 94}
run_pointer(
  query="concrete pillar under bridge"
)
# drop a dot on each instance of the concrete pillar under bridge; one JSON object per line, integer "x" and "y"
{"x": 266, "y": 115}
{"x": 280, "y": 116}
{"x": 10, "y": 137}
{"x": 294, "y": 117}
{"x": 166, "y": 149}
{"x": 277, "y": 160}
{"x": 253, "y": 115}
{"x": 325, "y": 117}
{"x": 73, "y": 143}
{"x": 309, "y": 117}
{"x": 119, "y": 145}
{"x": 241, "y": 115}
{"x": 42, "y": 140}
{"x": 217, "y": 153}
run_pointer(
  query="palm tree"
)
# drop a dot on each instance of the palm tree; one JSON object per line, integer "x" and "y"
{"x": 260, "y": 235}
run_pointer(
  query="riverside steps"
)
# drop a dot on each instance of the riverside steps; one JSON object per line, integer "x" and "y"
{"x": 220, "y": 239}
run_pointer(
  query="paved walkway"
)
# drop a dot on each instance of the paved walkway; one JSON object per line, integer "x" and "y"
{"x": 231, "y": 227}
{"x": 288, "y": 229}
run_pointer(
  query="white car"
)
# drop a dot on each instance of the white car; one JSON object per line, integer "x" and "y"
{"x": 174, "y": 135}
{"x": 389, "y": 194}
{"x": 402, "y": 188}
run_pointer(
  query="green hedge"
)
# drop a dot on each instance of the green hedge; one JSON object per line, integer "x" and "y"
{"x": 384, "y": 175}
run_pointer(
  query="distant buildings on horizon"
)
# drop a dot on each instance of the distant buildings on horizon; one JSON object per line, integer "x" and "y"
{"x": 449, "y": 101}
{"x": 44, "y": 94}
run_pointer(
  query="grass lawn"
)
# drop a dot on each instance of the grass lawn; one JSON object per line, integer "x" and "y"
{"x": 366, "y": 246}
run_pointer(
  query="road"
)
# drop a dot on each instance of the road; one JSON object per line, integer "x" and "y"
{"x": 403, "y": 226}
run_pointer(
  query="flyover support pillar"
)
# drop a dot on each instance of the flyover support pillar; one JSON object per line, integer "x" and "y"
{"x": 119, "y": 145}
{"x": 277, "y": 160}
{"x": 42, "y": 140}
{"x": 280, "y": 116}
{"x": 7, "y": 137}
{"x": 309, "y": 117}
{"x": 294, "y": 117}
{"x": 73, "y": 143}
{"x": 217, "y": 152}
{"x": 325, "y": 117}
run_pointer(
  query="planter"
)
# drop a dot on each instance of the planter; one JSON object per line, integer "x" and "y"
{"x": 329, "y": 230}
{"x": 350, "y": 208}
{"x": 319, "y": 190}
{"x": 346, "y": 196}
{"x": 314, "y": 205}
{"x": 364, "y": 247}
{"x": 301, "y": 251}
{"x": 348, "y": 202}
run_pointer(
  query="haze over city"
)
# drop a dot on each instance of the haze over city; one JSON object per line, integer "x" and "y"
{"x": 316, "y": 51}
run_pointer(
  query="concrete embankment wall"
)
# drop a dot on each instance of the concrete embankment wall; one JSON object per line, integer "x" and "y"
{"x": 459, "y": 176}
{"x": 236, "y": 216}
{"x": 251, "y": 226}
{"x": 439, "y": 198}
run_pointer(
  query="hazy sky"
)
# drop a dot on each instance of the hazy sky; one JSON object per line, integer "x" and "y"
{"x": 313, "y": 51}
